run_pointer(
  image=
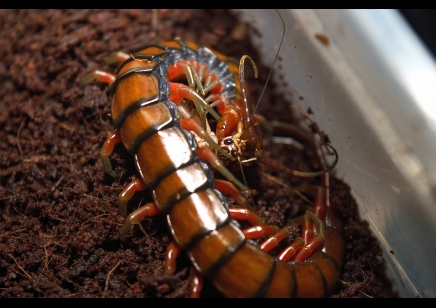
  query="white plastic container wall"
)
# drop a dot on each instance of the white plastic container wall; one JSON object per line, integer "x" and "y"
{"x": 373, "y": 90}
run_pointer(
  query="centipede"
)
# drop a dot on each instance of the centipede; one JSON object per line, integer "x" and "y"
{"x": 164, "y": 98}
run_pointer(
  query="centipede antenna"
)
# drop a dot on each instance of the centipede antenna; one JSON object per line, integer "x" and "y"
{"x": 327, "y": 145}
{"x": 247, "y": 115}
{"x": 243, "y": 175}
{"x": 275, "y": 60}
{"x": 245, "y": 182}
{"x": 336, "y": 156}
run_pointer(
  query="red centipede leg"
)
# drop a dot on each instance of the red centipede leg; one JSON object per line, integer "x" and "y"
{"x": 321, "y": 204}
{"x": 135, "y": 185}
{"x": 274, "y": 240}
{"x": 246, "y": 214}
{"x": 297, "y": 251}
{"x": 314, "y": 243}
{"x": 259, "y": 231}
{"x": 114, "y": 57}
{"x": 179, "y": 91}
{"x": 311, "y": 225}
{"x": 229, "y": 188}
{"x": 196, "y": 283}
{"x": 196, "y": 279}
{"x": 291, "y": 250}
{"x": 193, "y": 126}
{"x": 179, "y": 70}
{"x": 208, "y": 155}
{"x": 307, "y": 231}
{"x": 230, "y": 117}
{"x": 171, "y": 254}
{"x": 103, "y": 76}
{"x": 306, "y": 251}
{"x": 98, "y": 75}
{"x": 107, "y": 149}
{"x": 147, "y": 210}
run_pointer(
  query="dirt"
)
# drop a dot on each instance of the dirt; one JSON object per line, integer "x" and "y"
{"x": 59, "y": 227}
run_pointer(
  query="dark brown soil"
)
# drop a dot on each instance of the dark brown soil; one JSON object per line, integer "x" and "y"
{"x": 59, "y": 227}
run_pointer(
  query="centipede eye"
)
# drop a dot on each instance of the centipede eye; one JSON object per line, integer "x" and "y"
{"x": 228, "y": 141}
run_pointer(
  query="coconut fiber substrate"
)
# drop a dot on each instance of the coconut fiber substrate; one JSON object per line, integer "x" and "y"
{"x": 59, "y": 225}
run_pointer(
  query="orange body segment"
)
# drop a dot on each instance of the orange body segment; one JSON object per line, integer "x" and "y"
{"x": 131, "y": 90}
{"x": 211, "y": 251}
{"x": 143, "y": 122}
{"x": 246, "y": 274}
{"x": 195, "y": 216}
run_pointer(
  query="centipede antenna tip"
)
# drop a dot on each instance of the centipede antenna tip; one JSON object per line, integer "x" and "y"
{"x": 336, "y": 156}
{"x": 275, "y": 60}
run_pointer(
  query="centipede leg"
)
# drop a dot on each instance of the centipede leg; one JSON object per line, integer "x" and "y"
{"x": 180, "y": 91}
{"x": 187, "y": 69}
{"x": 195, "y": 278}
{"x": 191, "y": 125}
{"x": 135, "y": 185}
{"x": 102, "y": 76}
{"x": 229, "y": 188}
{"x": 259, "y": 231}
{"x": 229, "y": 115}
{"x": 196, "y": 283}
{"x": 107, "y": 150}
{"x": 321, "y": 206}
{"x": 246, "y": 214}
{"x": 298, "y": 251}
{"x": 291, "y": 250}
{"x": 98, "y": 75}
{"x": 274, "y": 241}
{"x": 114, "y": 57}
{"x": 208, "y": 155}
{"x": 307, "y": 230}
{"x": 147, "y": 210}
{"x": 313, "y": 226}
{"x": 171, "y": 254}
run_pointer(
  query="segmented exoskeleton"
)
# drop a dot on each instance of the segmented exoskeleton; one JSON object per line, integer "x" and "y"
{"x": 153, "y": 119}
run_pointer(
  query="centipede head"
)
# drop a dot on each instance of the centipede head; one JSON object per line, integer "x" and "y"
{"x": 234, "y": 146}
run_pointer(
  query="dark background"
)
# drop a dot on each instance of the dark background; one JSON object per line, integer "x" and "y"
{"x": 423, "y": 21}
